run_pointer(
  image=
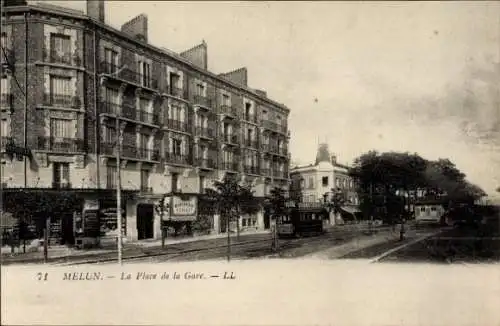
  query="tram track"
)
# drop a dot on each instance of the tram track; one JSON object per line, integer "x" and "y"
{"x": 262, "y": 246}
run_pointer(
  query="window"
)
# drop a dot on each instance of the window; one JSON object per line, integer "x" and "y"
{"x": 111, "y": 59}
{"x": 60, "y": 91}
{"x": 5, "y": 128}
{"x": 4, "y": 87}
{"x": 4, "y": 41}
{"x": 202, "y": 184}
{"x": 60, "y": 48}
{"x": 226, "y": 100}
{"x": 111, "y": 174}
{"x": 60, "y": 174}
{"x": 433, "y": 209}
{"x": 143, "y": 141}
{"x": 144, "y": 180}
{"x": 324, "y": 181}
{"x": 175, "y": 182}
{"x": 422, "y": 209}
{"x": 200, "y": 89}
{"x": 61, "y": 128}
{"x": 146, "y": 74}
{"x": 311, "y": 183}
{"x": 176, "y": 146}
{"x": 109, "y": 134}
{"x": 174, "y": 80}
{"x": 248, "y": 110}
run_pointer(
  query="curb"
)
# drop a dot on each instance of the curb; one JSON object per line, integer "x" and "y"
{"x": 414, "y": 241}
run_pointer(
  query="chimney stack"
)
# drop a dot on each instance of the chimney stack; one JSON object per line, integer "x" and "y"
{"x": 334, "y": 159}
{"x": 95, "y": 10}
{"x": 137, "y": 27}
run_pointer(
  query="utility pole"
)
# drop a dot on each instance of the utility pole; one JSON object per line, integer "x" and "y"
{"x": 118, "y": 189}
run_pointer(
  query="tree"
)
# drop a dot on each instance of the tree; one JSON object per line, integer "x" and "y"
{"x": 276, "y": 202}
{"x": 231, "y": 200}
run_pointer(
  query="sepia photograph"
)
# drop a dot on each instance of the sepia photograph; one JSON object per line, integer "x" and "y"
{"x": 250, "y": 163}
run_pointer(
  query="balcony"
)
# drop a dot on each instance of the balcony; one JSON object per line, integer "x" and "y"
{"x": 110, "y": 108}
{"x": 61, "y": 100}
{"x": 250, "y": 118}
{"x": 129, "y": 112}
{"x": 148, "y": 154}
{"x": 149, "y": 117}
{"x": 176, "y": 125}
{"x": 61, "y": 185}
{"x": 265, "y": 147}
{"x": 204, "y": 132}
{"x": 230, "y": 139}
{"x": 4, "y": 140}
{"x": 279, "y": 150}
{"x": 280, "y": 174}
{"x": 265, "y": 172}
{"x": 205, "y": 163}
{"x": 228, "y": 110}
{"x": 251, "y": 169}
{"x": 63, "y": 58}
{"x": 176, "y": 91}
{"x": 63, "y": 145}
{"x": 202, "y": 100}
{"x": 229, "y": 166}
{"x": 270, "y": 125}
{"x": 251, "y": 143}
{"x": 6, "y": 100}
{"x": 119, "y": 72}
{"x": 174, "y": 158}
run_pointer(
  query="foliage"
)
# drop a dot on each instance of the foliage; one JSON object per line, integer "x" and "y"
{"x": 276, "y": 201}
{"x": 389, "y": 179}
{"x": 231, "y": 199}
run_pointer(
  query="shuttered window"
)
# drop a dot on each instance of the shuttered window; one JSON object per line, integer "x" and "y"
{"x": 61, "y": 128}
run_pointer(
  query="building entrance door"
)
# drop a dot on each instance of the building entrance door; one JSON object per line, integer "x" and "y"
{"x": 145, "y": 221}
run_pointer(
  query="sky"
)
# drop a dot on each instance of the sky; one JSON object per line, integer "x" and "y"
{"x": 405, "y": 76}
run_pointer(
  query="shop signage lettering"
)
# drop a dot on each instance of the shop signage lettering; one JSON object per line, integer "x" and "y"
{"x": 184, "y": 206}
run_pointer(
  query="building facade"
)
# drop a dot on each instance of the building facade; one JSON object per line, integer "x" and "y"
{"x": 73, "y": 88}
{"x": 314, "y": 182}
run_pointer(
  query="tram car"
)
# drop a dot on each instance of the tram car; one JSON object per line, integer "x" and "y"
{"x": 303, "y": 219}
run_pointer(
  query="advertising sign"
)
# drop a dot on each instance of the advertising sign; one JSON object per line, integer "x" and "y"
{"x": 183, "y": 208}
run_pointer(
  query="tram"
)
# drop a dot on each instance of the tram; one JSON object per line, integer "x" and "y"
{"x": 302, "y": 219}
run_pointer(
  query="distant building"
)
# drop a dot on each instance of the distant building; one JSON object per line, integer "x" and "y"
{"x": 312, "y": 182}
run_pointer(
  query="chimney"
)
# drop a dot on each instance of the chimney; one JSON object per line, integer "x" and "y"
{"x": 261, "y": 92}
{"x": 95, "y": 10}
{"x": 238, "y": 76}
{"x": 137, "y": 27}
{"x": 197, "y": 55}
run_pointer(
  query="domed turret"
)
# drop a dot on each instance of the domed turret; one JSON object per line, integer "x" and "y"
{"x": 323, "y": 154}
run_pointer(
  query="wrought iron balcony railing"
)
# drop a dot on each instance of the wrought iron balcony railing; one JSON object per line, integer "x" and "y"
{"x": 251, "y": 143}
{"x": 176, "y": 125}
{"x": 205, "y": 163}
{"x": 177, "y": 158}
{"x": 6, "y": 100}
{"x": 228, "y": 110}
{"x": 204, "y": 132}
{"x": 230, "y": 139}
{"x": 230, "y": 166}
{"x": 251, "y": 169}
{"x": 110, "y": 108}
{"x": 274, "y": 126}
{"x": 265, "y": 172}
{"x": 64, "y": 145}
{"x": 127, "y": 74}
{"x": 202, "y": 100}
{"x": 149, "y": 117}
{"x": 148, "y": 154}
{"x": 250, "y": 117}
{"x": 176, "y": 91}
{"x": 62, "y": 100}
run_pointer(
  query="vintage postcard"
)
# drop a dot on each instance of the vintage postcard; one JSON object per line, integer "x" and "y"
{"x": 250, "y": 163}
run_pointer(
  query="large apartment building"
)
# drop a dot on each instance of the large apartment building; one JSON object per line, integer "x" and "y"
{"x": 72, "y": 86}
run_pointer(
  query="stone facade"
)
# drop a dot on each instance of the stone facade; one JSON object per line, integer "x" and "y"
{"x": 157, "y": 112}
